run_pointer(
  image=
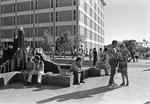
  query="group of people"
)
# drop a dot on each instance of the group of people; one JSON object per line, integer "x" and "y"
{"x": 34, "y": 65}
{"x": 111, "y": 60}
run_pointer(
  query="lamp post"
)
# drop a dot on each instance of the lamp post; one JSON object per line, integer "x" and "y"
{"x": 54, "y": 27}
{"x": 34, "y": 23}
{"x": 0, "y": 23}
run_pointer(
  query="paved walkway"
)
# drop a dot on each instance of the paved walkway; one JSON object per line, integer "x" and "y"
{"x": 94, "y": 91}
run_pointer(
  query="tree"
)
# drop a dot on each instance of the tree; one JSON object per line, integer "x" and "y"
{"x": 47, "y": 39}
{"x": 130, "y": 44}
{"x": 78, "y": 40}
{"x": 63, "y": 41}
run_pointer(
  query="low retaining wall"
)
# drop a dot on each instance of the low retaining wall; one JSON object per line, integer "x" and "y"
{"x": 47, "y": 78}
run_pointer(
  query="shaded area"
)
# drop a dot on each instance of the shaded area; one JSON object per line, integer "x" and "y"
{"x": 147, "y": 102}
{"x": 21, "y": 86}
{"x": 146, "y": 70}
{"x": 78, "y": 94}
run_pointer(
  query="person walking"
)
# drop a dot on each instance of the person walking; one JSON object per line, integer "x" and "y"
{"x": 113, "y": 62}
{"x": 94, "y": 56}
{"x": 123, "y": 65}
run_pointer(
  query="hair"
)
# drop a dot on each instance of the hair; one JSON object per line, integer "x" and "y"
{"x": 29, "y": 58}
{"x": 114, "y": 41}
{"x": 100, "y": 49}
{"x": 122, "y": 45}
{"x": 37, "y": 57}
{"x": 78, "y": 59}
{"x": 105, "y": 49}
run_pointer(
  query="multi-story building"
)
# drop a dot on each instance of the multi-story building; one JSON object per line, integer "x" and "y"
{"x": 56, "y": 16}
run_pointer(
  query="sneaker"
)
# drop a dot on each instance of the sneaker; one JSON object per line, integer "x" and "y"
{"x": 39, "y": 85}
{"x": 122, "y": 84}
{"x": 82, "y": 82}
{"x": 27, "y": 84}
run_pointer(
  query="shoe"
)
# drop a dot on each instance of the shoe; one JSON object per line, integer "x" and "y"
{"x": 114, "y": 84}
{"x": 39, "y": 85}
{"x": 82, "y": 82}
{"x": 27, "y": 84}
{"x": 76, "y": 84}
{"x": 107, "y": 74}
{"x": 127, "y": 84}
{"x": 122, "y": 84}
{"x": 109, "y": 84}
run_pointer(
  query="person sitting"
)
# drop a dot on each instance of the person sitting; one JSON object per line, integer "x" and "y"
{"x": 38, "y": 69}
{"x": 100, "y": 64}
{"x": 76, "y": 68}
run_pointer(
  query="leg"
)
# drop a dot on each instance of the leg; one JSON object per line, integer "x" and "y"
{"x": 123, "y": 82}
{"x": 30, "y": 76}
{"x": 76, "y": 79}
{"x": 113, "y": 71}
{"x": 40, "y": 76}
{"x": 126, "y": 76}
{"x": 82, "y": 76}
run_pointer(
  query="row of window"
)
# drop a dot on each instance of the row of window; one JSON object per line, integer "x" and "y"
{"x": 8, "y": 33}
{"x": 93, "y": 7}
{"x": 89, "y": 22}
{"x": 91, "y": 35}
{"x": 39, "y": 18}
{"x": 39, "y": 4}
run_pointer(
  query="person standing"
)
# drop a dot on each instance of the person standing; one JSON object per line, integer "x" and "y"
{"x": 137, "y": 53}
{"x": 107, "y": 58}
{"x": 123, "y": 65}
{"x": 90, "y": 57}
{"x": 113, "y": 62}
{"x": 94, "y": 56}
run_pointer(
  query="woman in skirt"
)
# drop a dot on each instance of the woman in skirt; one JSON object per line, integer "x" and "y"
{"x": 123, "y": 64}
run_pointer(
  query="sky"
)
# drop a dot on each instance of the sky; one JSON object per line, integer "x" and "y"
{"x": 127, "y": 19}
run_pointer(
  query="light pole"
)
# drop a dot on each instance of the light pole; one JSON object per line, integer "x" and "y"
{"x": 54, "y": 27}
{"x": 0, "y": 23}
{"x": 34, "y": 23}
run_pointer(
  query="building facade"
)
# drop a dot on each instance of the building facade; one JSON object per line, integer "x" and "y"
{"x": 56, "y": 16}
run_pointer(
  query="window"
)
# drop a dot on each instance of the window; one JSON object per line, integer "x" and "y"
{"x": 2, "y": 21}
{"x": 36, "y": 4}
{"x": 36, "y": 32}
{"x": 52, "y": 31}
{"x": 74, "y": 30}
{"x": 31, "y": 18}
{"x": 31, "y": 5}
{"x": 51, "y": 16}
{"x": 13, "y": 20}
{"x": 56, "y": 16}
{"x": 14, "y": 7}
{"x": 51, "y": 3}
{"x": 18, "y": 7}
{"x": 2, "y": 9}
{"x": 74, "y": 14}
{"x": 18, "y": 20}
{"x": 36, "y": 18}
{"x": 57, "y": 31}
{"x": 56, "y": 3}
{"x": 74, "y": 2}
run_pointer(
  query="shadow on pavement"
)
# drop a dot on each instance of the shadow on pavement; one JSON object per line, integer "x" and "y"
{"x": 147, "y": 102}
{"x": 79, "y": 94}
{"x": 21, "y": 86}
{"x": 146, "y": 70}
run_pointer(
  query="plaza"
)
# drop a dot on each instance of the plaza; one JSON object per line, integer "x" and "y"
{"x": 95, "y": 90}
